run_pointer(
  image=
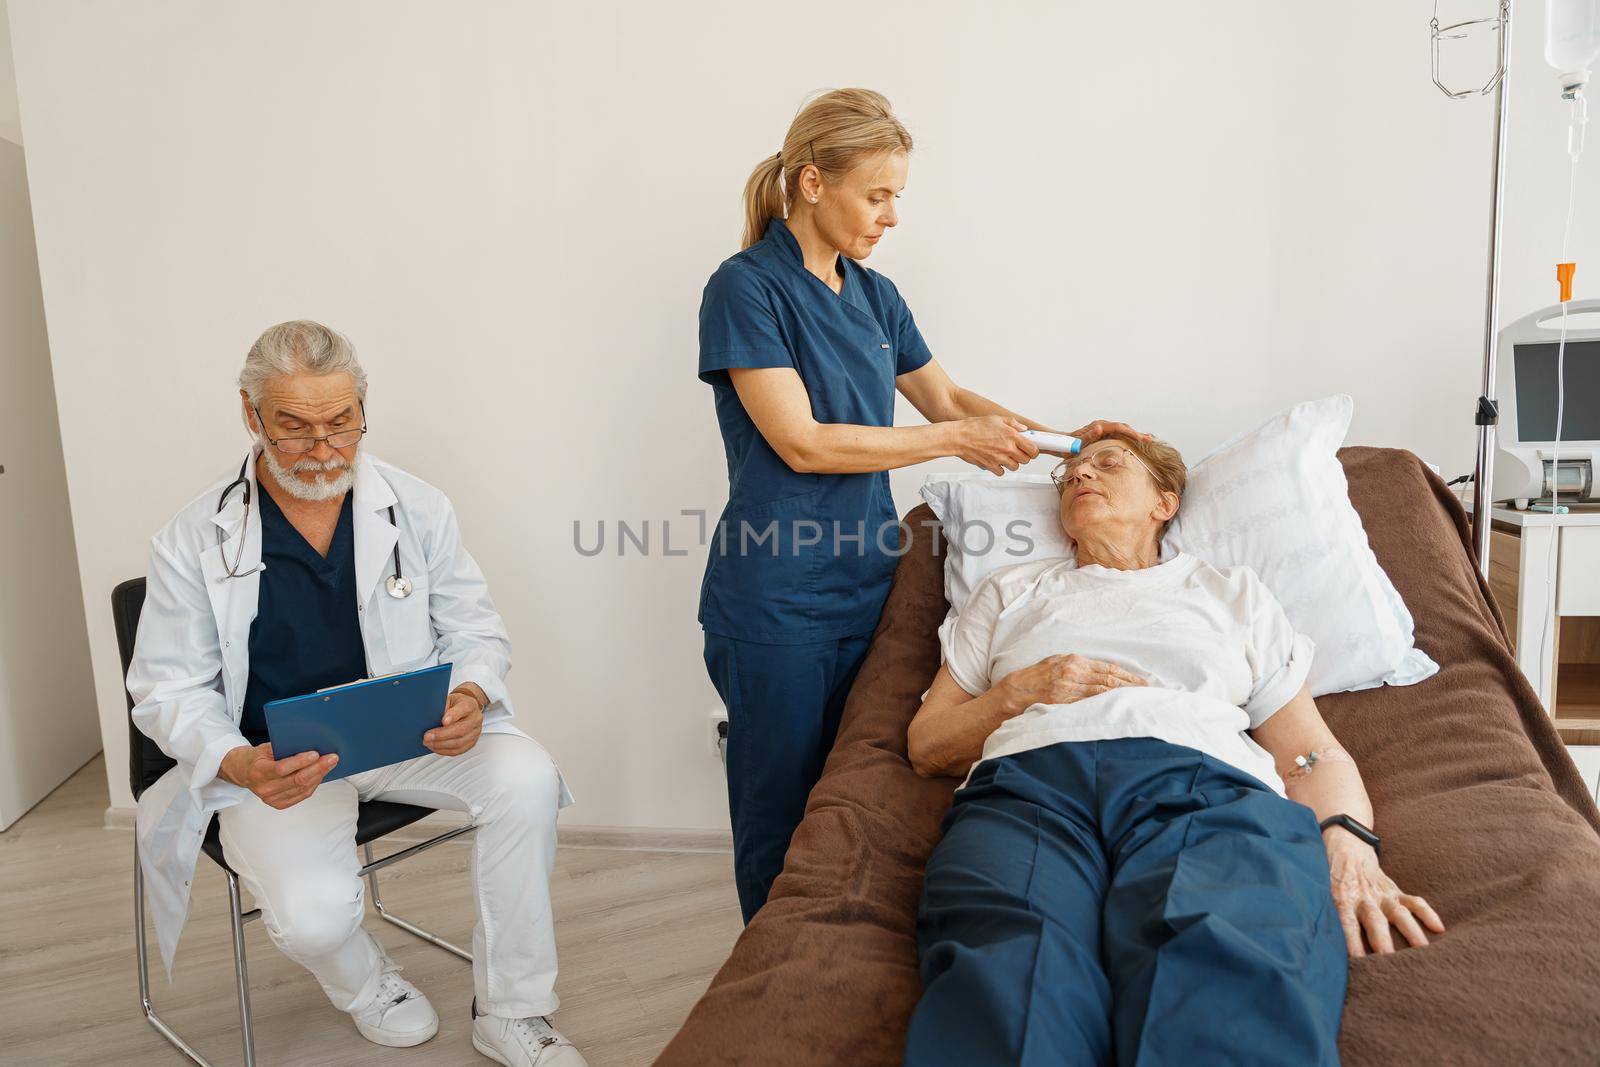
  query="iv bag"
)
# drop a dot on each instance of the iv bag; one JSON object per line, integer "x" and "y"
{"x": 1572, "y": 34}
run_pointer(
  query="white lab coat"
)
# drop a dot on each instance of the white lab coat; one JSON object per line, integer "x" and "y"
{"x": 191, "y": 659}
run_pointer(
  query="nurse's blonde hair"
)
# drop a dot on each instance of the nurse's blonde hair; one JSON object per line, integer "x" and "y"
{"x": 834, "y": 132}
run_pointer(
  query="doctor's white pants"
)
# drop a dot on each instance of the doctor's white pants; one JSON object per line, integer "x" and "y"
{"x": 300, "y": 865}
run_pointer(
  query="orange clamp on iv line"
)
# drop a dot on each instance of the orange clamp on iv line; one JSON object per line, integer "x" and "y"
{"x": 1564, "y": 273}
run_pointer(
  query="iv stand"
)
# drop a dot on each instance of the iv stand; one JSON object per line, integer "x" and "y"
{"x": 1488, "y": 413}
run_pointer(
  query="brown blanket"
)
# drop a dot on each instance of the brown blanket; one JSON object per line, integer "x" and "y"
{"x": 1481, "y": 810}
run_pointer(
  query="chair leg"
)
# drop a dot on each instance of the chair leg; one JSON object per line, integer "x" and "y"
{"x": 236, "y": 914}
{"x": 410, "y": 927}
{"x": 143, "y": 950}
{"x": 238, "y": 917}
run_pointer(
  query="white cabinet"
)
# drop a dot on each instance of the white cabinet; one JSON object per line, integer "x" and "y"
{"x": 1544, "y": 572}
{"x": 1587, "y": 757}
{"x": 1578, "y": 585}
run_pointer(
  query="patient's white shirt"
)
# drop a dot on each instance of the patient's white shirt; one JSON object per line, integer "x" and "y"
{"x": 1219, "y": 653}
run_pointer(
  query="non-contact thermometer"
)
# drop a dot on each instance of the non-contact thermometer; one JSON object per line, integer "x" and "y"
{"x": 1054, "y": 442}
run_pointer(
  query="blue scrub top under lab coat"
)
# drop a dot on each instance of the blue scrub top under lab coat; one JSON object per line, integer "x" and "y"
{"x": 306, "y": 634}
{"x": 763, "y": 582}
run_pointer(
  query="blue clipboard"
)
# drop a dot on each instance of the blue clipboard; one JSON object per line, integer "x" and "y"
{"x": 368, "y": 724}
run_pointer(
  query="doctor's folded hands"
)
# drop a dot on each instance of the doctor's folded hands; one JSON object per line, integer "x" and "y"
{"x": 312, "y": 565}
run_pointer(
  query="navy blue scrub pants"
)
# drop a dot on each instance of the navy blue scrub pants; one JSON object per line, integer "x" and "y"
{"x": 783, "y": 703}
{"x": 1127, "y": 902}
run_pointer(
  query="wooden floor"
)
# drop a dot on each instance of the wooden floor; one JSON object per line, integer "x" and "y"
{"x": 640, "y": 935}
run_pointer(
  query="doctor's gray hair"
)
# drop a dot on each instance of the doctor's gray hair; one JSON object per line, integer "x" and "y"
{"x": 299, "y": 347}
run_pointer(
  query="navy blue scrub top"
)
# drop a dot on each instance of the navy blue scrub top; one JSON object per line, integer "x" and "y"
{"x": 306, "y": 634}
{"x": 763, "y": 581}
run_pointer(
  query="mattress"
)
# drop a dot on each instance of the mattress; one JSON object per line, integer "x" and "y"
{"x": 1481, "y": 810}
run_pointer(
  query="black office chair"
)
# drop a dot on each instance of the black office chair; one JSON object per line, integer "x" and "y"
{"x": 146, "y": 763}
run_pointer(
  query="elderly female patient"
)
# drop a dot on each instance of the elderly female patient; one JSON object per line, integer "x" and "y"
{"x": 1122, "y": 878}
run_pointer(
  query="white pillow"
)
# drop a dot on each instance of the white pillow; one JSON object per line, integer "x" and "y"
{"x": 1274, "y": 499}
{"x": 993, "y": 522}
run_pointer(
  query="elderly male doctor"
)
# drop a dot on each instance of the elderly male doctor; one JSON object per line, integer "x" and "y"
{"x": 281, "y": 587}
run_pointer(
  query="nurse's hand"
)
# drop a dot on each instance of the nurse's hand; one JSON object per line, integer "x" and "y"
{"x": 1101, "y": 428}
{"x": 993, "y": 442}
{"x": 1065, "y": 680}
{"x": 462, "y": 723}
{"x": 280, "y": 783}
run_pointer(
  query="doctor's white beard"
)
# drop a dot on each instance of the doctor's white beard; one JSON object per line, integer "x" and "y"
{"x": 337, "y": 479}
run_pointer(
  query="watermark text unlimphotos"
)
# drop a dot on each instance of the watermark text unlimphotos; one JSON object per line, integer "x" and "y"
{"x": 788, "y": 537}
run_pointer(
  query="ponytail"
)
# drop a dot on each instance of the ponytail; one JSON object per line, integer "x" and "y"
{"x": 763, "y": 199}
{"x": 833, "y": 133}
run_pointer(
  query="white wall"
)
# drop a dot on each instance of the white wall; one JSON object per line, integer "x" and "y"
{"x": 10, "y": 123}
{"x": 48, "y": 725}
{"x": 512, "y": 208}
{"x": 1537, "y": 180}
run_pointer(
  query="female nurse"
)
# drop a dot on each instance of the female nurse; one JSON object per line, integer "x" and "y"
{"x": 804, "y": 349}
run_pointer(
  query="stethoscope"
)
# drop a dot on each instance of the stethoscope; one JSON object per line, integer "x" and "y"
{"x": 398, "y": 584}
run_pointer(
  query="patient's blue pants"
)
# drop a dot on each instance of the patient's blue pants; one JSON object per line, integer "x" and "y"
{"x": 784, "y": 704}
{"x": 1127, "y": 902}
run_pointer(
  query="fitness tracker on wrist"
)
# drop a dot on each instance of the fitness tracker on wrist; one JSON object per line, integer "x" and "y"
{"x": 1345, "y": 822}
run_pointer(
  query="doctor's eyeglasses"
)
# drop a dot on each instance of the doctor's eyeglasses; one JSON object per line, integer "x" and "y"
{"x": 1107, "y": 459}
{"x": 292, "y": 445}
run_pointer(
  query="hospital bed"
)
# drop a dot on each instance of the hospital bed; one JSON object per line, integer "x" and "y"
{"x": 1480, "y": 808}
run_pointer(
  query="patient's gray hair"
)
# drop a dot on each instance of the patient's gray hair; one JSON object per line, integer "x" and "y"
{"x": 299, "y": 347}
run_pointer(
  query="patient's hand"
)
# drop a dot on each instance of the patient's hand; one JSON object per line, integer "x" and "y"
{"x": 1066, "y": 679}
{"x": 1369, "y": 900}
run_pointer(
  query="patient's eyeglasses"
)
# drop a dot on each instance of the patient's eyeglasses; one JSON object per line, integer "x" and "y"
{"x": 295, "y": 445}
{"x": 1107, "y": 459}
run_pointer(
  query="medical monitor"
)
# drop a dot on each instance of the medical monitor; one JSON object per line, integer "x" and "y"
{"x": 1535, "y": 373}
{"x": 1525, "y": 465}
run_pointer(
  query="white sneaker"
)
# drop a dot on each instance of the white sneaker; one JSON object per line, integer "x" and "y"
{"x": 530, "y": 1042}
{"x": 400, "y": 1016}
